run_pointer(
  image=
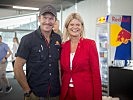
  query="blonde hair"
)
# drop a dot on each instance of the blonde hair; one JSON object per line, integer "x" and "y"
{"x": 66, "y": 35}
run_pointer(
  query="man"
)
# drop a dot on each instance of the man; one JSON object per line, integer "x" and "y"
{"x": 5, "y": 52}
{"x": 40, "y": 51}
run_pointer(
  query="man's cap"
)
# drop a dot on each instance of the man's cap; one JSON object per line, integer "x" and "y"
{"x": 48, "y": 9}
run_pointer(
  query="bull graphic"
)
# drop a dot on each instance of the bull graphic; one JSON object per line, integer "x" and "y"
{"x": 124, "y": 36}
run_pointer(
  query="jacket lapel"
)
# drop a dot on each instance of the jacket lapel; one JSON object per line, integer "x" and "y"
{"x": 77, "y": 55}
{"x": 67, "y": 55}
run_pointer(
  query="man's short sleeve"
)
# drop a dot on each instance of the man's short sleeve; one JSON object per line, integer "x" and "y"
{"x": 24, "y": 48}
{"x": 6, "y": 47}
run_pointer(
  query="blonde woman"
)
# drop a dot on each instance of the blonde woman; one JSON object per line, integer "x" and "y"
{"x": 80, "y": 73}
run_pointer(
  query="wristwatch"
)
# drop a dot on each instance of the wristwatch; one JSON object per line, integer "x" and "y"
{"x": 27, "y": 94}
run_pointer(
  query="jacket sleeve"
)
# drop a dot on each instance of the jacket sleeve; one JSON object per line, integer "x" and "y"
{"x": 94, "y": 63}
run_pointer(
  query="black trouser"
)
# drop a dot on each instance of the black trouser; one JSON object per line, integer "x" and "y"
{"x": 13, "y": 66}
{"x": 13, "y": 63}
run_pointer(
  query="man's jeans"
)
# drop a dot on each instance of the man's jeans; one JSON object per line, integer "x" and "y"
{"x": 33, "y": 97}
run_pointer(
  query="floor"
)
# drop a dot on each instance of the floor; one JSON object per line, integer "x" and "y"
{"x": 17, "y": 92}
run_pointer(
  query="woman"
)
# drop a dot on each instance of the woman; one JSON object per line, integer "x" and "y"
{"x": 80, "y": 73}
{"x": 56, "y": 28}
{"x": 14, "y": 49}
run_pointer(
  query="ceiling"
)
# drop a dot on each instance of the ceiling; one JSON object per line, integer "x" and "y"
{"x": 7, "y": 4}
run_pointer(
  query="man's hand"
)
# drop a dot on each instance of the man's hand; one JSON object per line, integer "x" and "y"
{"x": 3, "y": 61}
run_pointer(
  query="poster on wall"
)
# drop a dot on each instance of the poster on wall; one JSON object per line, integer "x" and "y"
{"x": 120, "y": 37}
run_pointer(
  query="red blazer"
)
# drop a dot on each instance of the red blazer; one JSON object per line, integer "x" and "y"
{"x": 85, "y": 71}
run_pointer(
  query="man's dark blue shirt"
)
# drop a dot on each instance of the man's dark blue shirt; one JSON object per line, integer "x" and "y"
{"x": 42, "y": 67}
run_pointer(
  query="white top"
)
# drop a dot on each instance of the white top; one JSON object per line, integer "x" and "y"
{"x": 71, "y": 59}
{"x": 14, "y": 50}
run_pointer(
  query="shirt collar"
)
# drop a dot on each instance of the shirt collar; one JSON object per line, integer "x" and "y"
{"x": 40, "y": 34}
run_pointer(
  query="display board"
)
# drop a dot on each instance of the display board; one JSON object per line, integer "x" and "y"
{"x": 113, "y": 36}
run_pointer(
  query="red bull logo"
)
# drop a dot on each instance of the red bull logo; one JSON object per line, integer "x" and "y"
{"x": 119, "y": 35}
{"x": 124, "y": 36}
{"x": 101, "y": 20}
{"x": 120, "y": 19}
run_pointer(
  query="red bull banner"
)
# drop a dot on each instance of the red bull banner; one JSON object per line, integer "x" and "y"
{"x": 120, "y": 36}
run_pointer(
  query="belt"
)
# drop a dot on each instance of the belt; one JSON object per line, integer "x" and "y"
{"x": 49, "y": 98}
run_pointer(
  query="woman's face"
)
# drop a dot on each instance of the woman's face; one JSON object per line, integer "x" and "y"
{"x": 75, "y": 28}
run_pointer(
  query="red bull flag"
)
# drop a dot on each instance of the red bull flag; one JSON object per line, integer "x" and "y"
{"x": 120, "y": 36}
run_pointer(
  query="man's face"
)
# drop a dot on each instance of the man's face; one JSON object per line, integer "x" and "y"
{"x": 47, "y": 21}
